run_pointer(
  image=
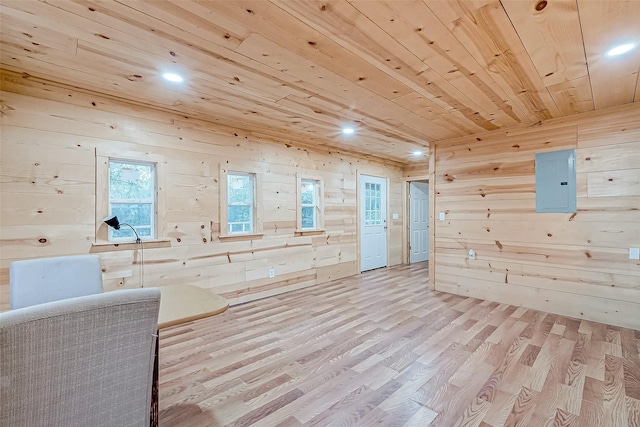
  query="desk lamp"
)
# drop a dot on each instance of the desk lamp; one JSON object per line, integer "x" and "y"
{"x": 112, "y": 221}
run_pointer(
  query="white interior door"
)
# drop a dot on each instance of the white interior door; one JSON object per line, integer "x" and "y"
{"x": 419, "y": 225}
{"x": 373, "y": 222}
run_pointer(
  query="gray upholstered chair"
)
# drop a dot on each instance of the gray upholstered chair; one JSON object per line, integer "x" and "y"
{"x": 40, "y": 280}
{"x": 85, "y": 361}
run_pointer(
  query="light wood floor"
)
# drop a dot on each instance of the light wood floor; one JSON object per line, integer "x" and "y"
{"x": 381, "y": 349}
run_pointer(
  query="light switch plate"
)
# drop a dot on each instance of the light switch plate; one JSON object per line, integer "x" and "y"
{"x": 395, "y": 216}
{"x": 634, "y": 253}
{"x": 441, "y": 216}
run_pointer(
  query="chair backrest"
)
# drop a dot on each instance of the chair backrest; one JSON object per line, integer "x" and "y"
{"x": 85, "y": 361}
{"x": 40, "y": 280}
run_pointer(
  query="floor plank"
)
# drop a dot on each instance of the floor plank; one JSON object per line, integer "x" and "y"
{"x": 382, "y": 349}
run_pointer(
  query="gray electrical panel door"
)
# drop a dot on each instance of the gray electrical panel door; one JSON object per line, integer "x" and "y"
{"x": 556, "y": 181}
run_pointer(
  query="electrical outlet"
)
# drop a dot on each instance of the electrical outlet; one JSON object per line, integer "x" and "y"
{"x": 472, "y": 254}
{"x": 634, "y": 253}
{"x": 441, "y": 216}
{"x": 272, "y": 273}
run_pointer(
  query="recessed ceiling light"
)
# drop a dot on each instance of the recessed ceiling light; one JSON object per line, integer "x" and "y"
{"x": 348, "y": 131}
{"x": 417, "y": 153}
{"x": 172, "y": 77}
{"x": 619, "y": 50}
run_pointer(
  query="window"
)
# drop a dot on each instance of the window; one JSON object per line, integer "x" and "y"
{"x": 241, "y": 196}
{"x": 131, "y": 185}
{"x": 373, "y": 205}
{"x": 240, "y": 203}
{"x": 132, "y": 197}
{"x": 310, "y": 212}
{"x": 309, "y": 204}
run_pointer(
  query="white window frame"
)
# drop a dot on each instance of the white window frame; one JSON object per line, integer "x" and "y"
{"x": 256, "y": 229}
{"x": 151, "y": 201}
{"x": 318, "y": 205}
{"x": 372, "y": 222}
{"x": 103, "y": 203}
{"x": 251, "y": 204}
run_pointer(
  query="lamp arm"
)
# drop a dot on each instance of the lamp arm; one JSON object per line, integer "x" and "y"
{"x": 138, "y": 240}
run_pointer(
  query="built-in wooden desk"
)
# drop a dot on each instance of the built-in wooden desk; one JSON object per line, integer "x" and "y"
{"x": 181, "y": 304}
{"x": 184, "y": 303}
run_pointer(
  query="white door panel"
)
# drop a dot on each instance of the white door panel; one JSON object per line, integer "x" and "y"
{"x": 373, "y": 222}
{"x": 419, "y": 227}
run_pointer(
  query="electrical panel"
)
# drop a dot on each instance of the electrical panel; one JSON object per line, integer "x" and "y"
{"x": 556, "y": 181}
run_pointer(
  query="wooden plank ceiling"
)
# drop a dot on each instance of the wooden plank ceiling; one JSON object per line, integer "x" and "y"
{"x": 404, "y": 73}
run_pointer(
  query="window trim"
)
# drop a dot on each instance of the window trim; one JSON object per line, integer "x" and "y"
{"x": 319, "y": 205}
{"x": 223, "y": 230}
{"x": 102, "y": 194}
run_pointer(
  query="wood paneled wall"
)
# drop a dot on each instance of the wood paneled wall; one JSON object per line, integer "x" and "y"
{"x": 48, "y": 195}
{"x": 575, "y": 264}
{"x": 418, "y": 170}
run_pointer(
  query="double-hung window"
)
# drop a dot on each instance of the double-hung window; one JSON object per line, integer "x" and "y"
{"x": 131, "y": 185}
{"x": 309, "y": 204}
{"x": 241, "y": 200}
{"x": 132, "y": 197}
{"x": 310, "y": 209}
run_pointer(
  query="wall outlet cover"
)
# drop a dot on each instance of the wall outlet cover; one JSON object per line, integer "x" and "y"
{"x": 272, "y": 273}
{"x": 441, "y": 216}
{"x": 472, "y": 254}
{"x": 634, "y": 253}
{"x": 396, "y": 216}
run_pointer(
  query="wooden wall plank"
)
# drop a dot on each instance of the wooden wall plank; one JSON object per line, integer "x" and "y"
{"x": 624, "y": 182}
{"x": 550, "y": 231}
{"x": 525, "y": 141}
{"x": 582, "y": 306}
{"x": 600, "y": 260}
{"x": 433, "y": 211}
{"x": 575, "y": 264}
{"x": 419, "y": 169}
{"x": 609, "y": 209}
{"x": 576, "y": 280}
{"x": 608, "y": 158}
